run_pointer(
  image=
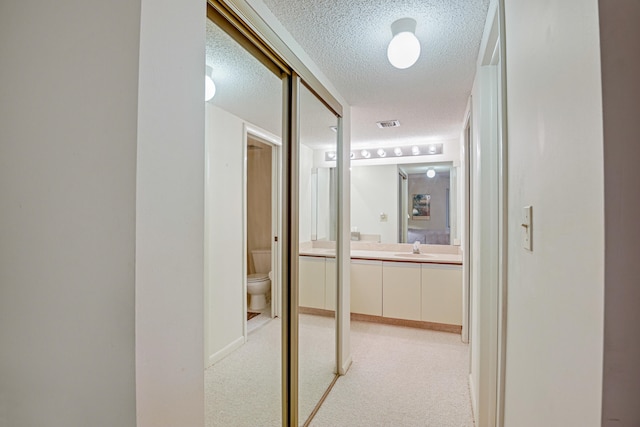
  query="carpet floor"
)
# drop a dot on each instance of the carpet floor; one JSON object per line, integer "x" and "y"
{"x": 243, "y": 389}
{"x": 399, "y": 377}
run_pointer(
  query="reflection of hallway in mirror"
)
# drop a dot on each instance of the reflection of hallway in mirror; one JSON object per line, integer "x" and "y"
{"x": 241, "y": 390}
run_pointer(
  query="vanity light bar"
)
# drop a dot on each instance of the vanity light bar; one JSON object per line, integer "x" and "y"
{"x": 407, "y": 151}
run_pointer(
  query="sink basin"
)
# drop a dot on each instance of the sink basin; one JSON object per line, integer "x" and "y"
{"x": 412, "y": 255}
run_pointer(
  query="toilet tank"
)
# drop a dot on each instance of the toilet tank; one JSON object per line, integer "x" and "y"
{"x": 261, "y": 260}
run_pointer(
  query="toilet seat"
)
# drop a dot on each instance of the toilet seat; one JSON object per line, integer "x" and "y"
{"x": 257, "y": 277}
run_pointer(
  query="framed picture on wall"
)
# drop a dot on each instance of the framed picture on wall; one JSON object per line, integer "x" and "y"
{"x": 421, "y": 206}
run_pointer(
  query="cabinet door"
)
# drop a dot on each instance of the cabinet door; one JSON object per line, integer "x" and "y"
{"x": 442, "y": 294}
{"x": 330, "y": 284}
{"x": 401, "y": 290}
{"x": 311, "y": 282}
{"x": 366, "y": 287}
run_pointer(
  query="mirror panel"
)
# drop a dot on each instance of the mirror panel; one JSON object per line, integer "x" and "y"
{"x": 317, "y": 263}
{"x": 400, "y": 203}
{"x": 242, "y": 356}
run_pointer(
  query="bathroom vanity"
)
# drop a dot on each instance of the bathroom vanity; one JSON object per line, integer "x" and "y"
{"x": 389, "y": 283}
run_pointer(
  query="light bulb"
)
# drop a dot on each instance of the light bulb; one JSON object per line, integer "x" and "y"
{"x": 331, "y": 155}
{"x": 397, "y": 151}
{"x": 431, "y": 173}
{"x": 381, "y": 152}
{"x": 403, "y": 50}
{"x": 415, "y": 150}
{"x": 209, "y": 88}
{"x": 432, "y": 149}
{"x": 365, "y": 154}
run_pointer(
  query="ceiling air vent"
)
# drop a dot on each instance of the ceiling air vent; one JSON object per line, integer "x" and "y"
{"x": 388, "y": 124}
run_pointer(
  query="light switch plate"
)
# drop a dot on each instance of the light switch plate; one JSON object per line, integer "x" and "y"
{"x": 527, "y": 228}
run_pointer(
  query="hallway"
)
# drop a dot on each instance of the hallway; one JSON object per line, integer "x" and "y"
{"x": 401, "y": 377}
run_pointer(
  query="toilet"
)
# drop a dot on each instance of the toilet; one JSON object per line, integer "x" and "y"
{"x": 259, "y": 283}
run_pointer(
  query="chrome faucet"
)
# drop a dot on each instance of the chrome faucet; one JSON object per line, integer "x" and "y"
{"x": 416, "y": 247}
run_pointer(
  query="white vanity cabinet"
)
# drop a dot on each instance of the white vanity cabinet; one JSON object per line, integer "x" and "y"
{"x": 442, "y": 294}
{"x": 401, "y": 289}
{"x": 312, "y": 282}
{"x": 330, "y": 284}
{"x": 366, "y": 287}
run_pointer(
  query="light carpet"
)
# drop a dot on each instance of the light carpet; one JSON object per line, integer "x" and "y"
{"x": 401, "y": 377}
{"x": 243, "y": 389}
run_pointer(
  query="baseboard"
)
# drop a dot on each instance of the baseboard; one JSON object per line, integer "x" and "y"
{"x": 473, "y": 400}
{"x": 443, "y": 327}
{"x": 227, "y": 350}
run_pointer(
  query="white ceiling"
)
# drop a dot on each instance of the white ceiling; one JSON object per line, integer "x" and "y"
{"x": 348, "y": 41}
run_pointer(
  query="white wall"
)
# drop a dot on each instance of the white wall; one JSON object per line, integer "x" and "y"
{"x": 169, "y": 213}
{"x": 68, "y": 108}
{"x": 374, "y": 189}
{"x": 224, "y": 268}
{"x": 619, "y": 32}
{"x": 555, "y": 293}
{"x": 305, "y": 213}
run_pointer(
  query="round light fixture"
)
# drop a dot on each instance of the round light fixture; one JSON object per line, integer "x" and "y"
{"x": 404, "y": 49}
{"x": 397, "y": 151}
{"x": 415, "y": 150}
{"x": 432, "y": 149}
{"x": 209, "y": 85}
{"x": 209, "y": 88}
{"x": 365, "y": 154}
{"x": 331, "y": 155}
{"x": 381, "y": 152}
{"x": 431, "y": 173}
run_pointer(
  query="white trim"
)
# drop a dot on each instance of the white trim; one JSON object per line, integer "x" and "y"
{"x": 466, "y": 221}
{"x": 503, "y": 225}
{"x": 276, "y": 279}
{"x": 472, "y": 395}
{"x": 245, "y": 141}
{"x": 227, "y": 350}
{"x": 345, "y": 366}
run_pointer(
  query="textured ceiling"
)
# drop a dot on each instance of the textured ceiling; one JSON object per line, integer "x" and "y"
{"x": 247, "y": 89}
{"x": 244, "y": 86}
{"x": 348, "y": 41}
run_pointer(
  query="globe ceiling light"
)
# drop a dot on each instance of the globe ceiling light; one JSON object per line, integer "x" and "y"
{"x": 404, "y": 49}
{"x": 209, "y": 85}
{"x": 431, "y": 173}
{"x": 365, "y": 154}
{"x": 397, "y": 151}
{"x": 381, "y": 152}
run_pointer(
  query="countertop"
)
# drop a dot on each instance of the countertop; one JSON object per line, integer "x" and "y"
{"x": 427, "y": 257}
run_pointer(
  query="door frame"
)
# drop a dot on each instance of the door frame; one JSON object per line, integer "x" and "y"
{"x": 276, "y": 214}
